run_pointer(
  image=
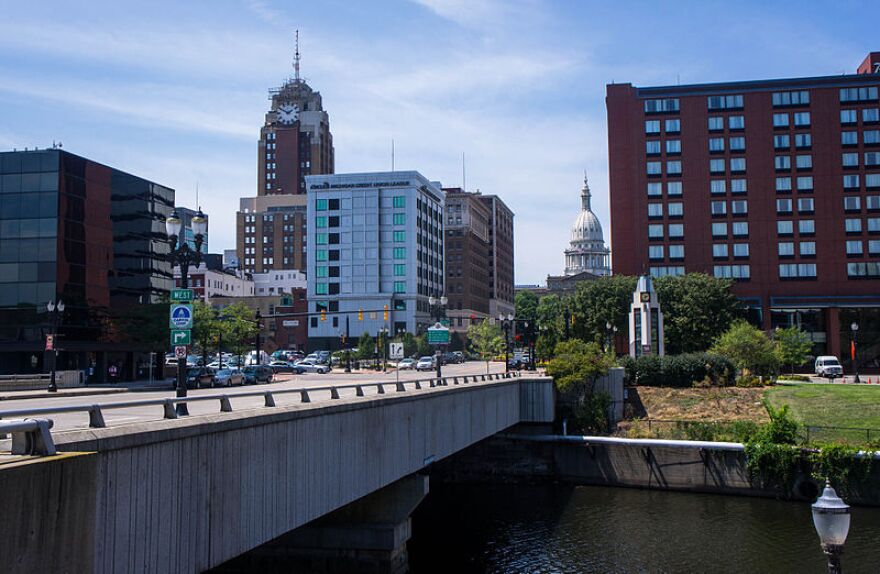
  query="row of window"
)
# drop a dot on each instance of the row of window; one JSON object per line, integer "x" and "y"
{"x": 872, "y": 181}
{"x": 854, "y": 225}
{"x": 779, "y": 99}
{"x": 722, "y": 250}
{"x": 674, "y": 209}
{"x": 851, "y": 138}
{"x": 797, "y": 119}
{"x": 737, "y": 207}
{"x": 805, "y": 227}
{"x": 805, "y": 248}
{"x": 869, "y": 116}
{"x": 656, "y": 251}
{"x": 804, "y": 205}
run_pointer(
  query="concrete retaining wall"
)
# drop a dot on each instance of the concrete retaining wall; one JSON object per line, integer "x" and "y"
{"x": 63, "y": 379}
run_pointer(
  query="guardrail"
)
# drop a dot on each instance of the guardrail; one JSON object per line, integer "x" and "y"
{"x": 29, "y": 436}
{"x": 96, "y": 411}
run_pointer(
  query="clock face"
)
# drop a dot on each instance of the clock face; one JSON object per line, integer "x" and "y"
{"x": 646, "y": 297}
{"x": 288, "y": 113}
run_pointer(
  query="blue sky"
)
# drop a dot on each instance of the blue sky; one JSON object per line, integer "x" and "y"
{"x": 176, "y": 92}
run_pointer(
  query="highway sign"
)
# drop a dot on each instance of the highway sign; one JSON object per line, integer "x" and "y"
{"x": 181, "y": 316}
{"x": 180, "y": 351}
{"x": 181, "y": 337}
{"x": 395, "y": 351}
{"x": 438, "y": 335}
{"x": 181, "y": 294}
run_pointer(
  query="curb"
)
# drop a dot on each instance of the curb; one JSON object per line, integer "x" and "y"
{"x": 61, "y": 394}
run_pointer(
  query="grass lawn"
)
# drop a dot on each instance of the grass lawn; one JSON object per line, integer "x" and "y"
{"x": 832, "y": 405}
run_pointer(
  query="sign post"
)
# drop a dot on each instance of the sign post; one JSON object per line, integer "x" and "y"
{"x": 395, "y": 351}
{"x": 182, "y": 295}
{"x": 438, "y": 335}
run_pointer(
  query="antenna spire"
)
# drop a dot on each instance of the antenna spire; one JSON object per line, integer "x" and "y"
{"x": 296, "y": 58}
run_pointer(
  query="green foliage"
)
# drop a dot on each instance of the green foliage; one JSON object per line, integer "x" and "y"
{"x": 774, "y": 464}
{"x": 590, "y": 413}
{"x": 749, "y": 348}
{"x": 782, "y": 428}
{"x": 839, "y": 464}
{"x": 731, "y": 431}
{"x": 793, "y": 346}
{"x": 550, "y": 325}
{"x": 485, "y": 340}
{"x": 748, "y": 381}
{"x": 414, "y": 346}
{"x": 598, "y": 302}
{"x": 206, "y": 326}
{"x": 697, "y": 308}
{"x": 526, "y": 304}
{"x": 366, "y": 347}
{"x": 799, "y": 378}
{"x": 686, "y": 370}
{"x": 577, "y": 364}
{"x": 239, "y": 327}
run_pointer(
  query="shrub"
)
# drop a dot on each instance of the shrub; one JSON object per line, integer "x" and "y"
{"x": 794, "y": 378}
{"x": 686, "y": 370}
{"x": 749, "y": 381}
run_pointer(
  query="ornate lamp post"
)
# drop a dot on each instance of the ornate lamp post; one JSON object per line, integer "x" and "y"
{"x": 438, "y": 310}
{"x": 611, "y": 333}
{"x": 855, "y": 348}
{"x": 258, "y": 318}
{"x": 831, "y": 518}
{"x": 506, "y": 323}
{"x": 56, "y": 311}
{"x": 184, "y": 256}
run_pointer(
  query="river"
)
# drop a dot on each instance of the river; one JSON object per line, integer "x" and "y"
{"x": 563, "y": 529}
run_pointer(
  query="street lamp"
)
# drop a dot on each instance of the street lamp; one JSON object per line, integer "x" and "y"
{"x": 381, "y": 338}
{"x": 438, "y": 306}
{"x": 184, "y": 256}
{"x": 56, "y": 312}
{"x": 855, "y": 350}
{"x": 506, "y": 322}
{"x": 831, "y": 518}
{"x": 611, "y": 333}
{"x": 258, "y": 317}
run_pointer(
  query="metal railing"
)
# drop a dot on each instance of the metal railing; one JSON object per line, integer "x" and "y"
{"x": 96, "y": 411}
{"x": 29, "y": 436}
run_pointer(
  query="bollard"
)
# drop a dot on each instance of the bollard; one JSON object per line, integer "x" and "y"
{"x": 431, "y": 382}
{"x": 360, "y": 391}
{"x": 380, "y": 388}
{"x": 400, "y": 387}
{"x": 484, "y": 377}
{"x": 225, "y": 405}
{"x": 334, "y": 393}
{"x": 170, "y": 413}
{"x": 96, "y": 419}
{"x": 270, "y": 400}
{"x": 454, "y": 380}
{"x": 304, "y": 396}
{"x": 418, "y": 385}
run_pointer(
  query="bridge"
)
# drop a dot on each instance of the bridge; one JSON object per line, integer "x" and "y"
{"x": 188, "y": 494}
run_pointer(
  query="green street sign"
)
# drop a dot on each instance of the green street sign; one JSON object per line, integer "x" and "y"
{"x": 181, "y": 316}
{"x": 181, "y": 337}
{"x": 438, "y": 335}
{"x": 181, "y": 294}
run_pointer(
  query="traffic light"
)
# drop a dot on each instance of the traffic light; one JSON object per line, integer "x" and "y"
{"x": 323, "y": 314}
{"x": 360, "y": 314}
{"x": 385, "y": 313}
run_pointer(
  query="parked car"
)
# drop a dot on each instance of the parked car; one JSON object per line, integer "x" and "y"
{"x": 255, "y": 374}
{"x": 459, "y": 356}
{"x": 228, "y": 377}
{"x": 406, "y": 364}
{"x": 828, "y": 366}
{"x": 312, "y": 366}
{"x": 425, "y": 364}
{"x": 283, "y": 367}
{"x": 197, "y": 377}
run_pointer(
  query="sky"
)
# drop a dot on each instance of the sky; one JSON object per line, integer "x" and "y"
{"x": 176, "y": 92}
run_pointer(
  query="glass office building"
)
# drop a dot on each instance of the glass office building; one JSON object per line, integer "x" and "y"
{"x": 94, "y": 237}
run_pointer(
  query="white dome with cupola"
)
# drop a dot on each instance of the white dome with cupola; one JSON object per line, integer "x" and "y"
{"x": 587, "y": 251}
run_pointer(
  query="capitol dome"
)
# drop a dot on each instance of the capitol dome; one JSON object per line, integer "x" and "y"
{"x": 587, "y": 251}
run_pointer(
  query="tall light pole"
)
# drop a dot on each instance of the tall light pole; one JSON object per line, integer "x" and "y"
{"x": 610, "y": 334}
{"x": 184, "y": 256}
{"x": 438, "y": 308}
{"x": 831, "y": 518}
{"x": 258, "y": 318}
{"x": 56, "y": 311}
{"x": 382, "y": 339}
{"x": 855, "y": 350}
{"x": 506, "y": 323}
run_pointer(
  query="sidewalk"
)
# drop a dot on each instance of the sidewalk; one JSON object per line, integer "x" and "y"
{"x": 87, "y": 390}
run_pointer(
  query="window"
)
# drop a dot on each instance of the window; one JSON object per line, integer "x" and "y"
{"x": 794, "y": 270}
{"x": 399, "y": 236}
{"x": 740, "y": 229}
{"x": 783, "y": 206}
{"x": 737, "y": 144}
{"x": 803, "y": 141}
{"x": 655, "y": 252}
{"x": 806, "y": 227}
{"x": 676, "y": 209}
{"x": 718, "y": 186}
{"x": 673, "y": 126}
{"x": 399, "y": 253}
{"x": 716, "y": 144}
{"x": 849, "y": 138}
{"x": 655, "y": 210}
{"x": 805, "y": 183}
{"x": 663, "y": 271}
{"x": 676, "y": 230}
{"x": 333, "y": 204}
{"x": 848, "y": 117}
{"x": 740, "y": 250}
{"x": 652, "y": 147}
{"x": 399, "y": 270}
{"x": 867, "y": 94}
{"x": 321, "y": 205}
{"x": 852, "y": 203}
{"x": 653, "y": 167}
{"x": 655, "y": 231}
{"x": 870, "y": 115}
{"x": 874, "y": 247}
{"x": 781, "y": 142}
{"x": 731, "y": 271}
{"x": 784, "y": 228}
{"x": 399, "y": 201}
{"x": 719, "y": 250}
{"x": 733, "y": 102}
{"x": 871, "y": 137}
{"x": 872, "y": 202}
{"x": 798, "y": 98}
{"x": 782, "y": 162}
{"x": 716, "y": 165}
{"x": 719, "y": 230}
{"x": 853, "y": 247}
{"x": 780, "y": 120}
{"x": 807, "y": 248}
{"x": 783, "y": 184}
{"x": 801, "y": 119}
{"x": 719, "y": 207}
{"x": 805, "y": 205}
{"x": 738, "y": 186}
{"x": 739, "y": 207}
{"x": 873, "y": 225}
{"x": 851, "y": 181}
{"x": 652, "y": 126}
{"x": 804, "y": 162}
{"x": 737, "y": 164}
{"x": 785, "y": 249}
{"x": 322, "y": 238}
{"x": 673, "y": 146}
{"x": 850, "y": 160}
{"x": 399, "y": 219}
{"x": 321, "y": 288}
{"x": 854, "y": 225}
{"x": 655, "y": 188}
{"x": 400, "y": 286}
{"x": 661, "y": 106}
{"x": 673, "y": 167}
{"x": 673, "y": 188}
{"x": 716, "y": 123}
{"x": 872, "y": 158}
{"x": 872, "y": 181}
{"x": 676, "y": 251}
{"x": 736, "y": 122}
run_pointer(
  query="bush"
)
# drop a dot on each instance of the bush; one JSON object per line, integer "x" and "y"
{"x": 802, "y": 378}
{"x": 686, "y": 370}
{"x": 749, "y": 381}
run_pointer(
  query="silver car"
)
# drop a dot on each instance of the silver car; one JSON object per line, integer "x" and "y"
{"x": 425, "y": 364}
{"x": 311, "y": 366}
{"x": 228, "y": 377}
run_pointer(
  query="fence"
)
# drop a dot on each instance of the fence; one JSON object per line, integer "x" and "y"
{"x": 830, "y": 434}
{"x": 39, "y": 381}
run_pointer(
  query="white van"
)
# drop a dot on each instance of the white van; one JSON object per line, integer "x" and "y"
{"x": 828, "y": 366}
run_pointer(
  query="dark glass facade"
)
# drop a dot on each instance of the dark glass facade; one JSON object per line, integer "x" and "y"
{"x": 94, "y": 237}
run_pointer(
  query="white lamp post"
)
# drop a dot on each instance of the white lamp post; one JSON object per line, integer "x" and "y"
{"x": 831, "y": 518}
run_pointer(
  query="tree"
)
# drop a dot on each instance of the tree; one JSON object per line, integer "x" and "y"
{"x": 601, "y": 301}
{"x": 366, "y": 347}
{"x": 793, "y": 346}
{"x": 206, "y": 326}
{"x": 549, "y": 318}
{"x": 486, "y": 340}
{"x": 749, "y": 348}
{"x": 526, "y": 304}
{"x": 239, "y": 327}
{"x": 577, "y": 365}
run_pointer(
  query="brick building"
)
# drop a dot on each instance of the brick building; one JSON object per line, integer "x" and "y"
{"x": 773, "y": 183}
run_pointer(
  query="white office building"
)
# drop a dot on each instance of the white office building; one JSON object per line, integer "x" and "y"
{"x": 375, "y": 243}
{"x": 278, "y": 281}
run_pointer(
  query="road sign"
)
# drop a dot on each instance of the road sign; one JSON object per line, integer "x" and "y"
{"x": 181, "y": 337}
{"x": 180, "y": 352}
{"x": 438, "y": 335}
{"x": 395, "y": 351}
{"x": 181, "y": 294}
{"x": 290, "y": 323}
{"x": 181, "y": 316}
{"x": 50, "y": 342}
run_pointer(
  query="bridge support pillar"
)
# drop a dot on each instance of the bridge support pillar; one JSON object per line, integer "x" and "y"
{"x": 367, "y": 536}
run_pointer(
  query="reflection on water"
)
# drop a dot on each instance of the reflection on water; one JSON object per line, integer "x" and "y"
{"x": 526, "y": 529}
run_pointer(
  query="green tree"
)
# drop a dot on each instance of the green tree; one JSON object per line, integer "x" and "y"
{"x": 485, "y": 340}
{"x": 598, "y": 302}
{"x": 550, "y": 325}
{"x": 697, "y": 308}
{"x": 793, "y": 346}
{"x": 526, "y": 305}
{"x": 366, "y": 347}
{"x": 238, "y": 324}
{"x": 577, "y": 365}
{"x": 206, "y": 326}
{"x": 749, "y": 348}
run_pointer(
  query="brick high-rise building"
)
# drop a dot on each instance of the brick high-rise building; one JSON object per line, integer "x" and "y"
{"x": 501, "y": 293}
{"x": 295, "y": 141}
{"x": 773, "y": 183}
